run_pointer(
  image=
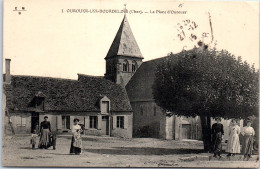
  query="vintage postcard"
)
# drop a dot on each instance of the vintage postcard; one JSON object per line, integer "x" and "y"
{"x": 130, "y": 83}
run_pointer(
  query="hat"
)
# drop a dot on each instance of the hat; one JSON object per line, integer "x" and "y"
{"x": 249, "y": 121}
{"x": 76, "y": 119}
{"x": 218, "y": 118}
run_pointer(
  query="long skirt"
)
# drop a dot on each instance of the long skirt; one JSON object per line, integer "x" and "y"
{"x": 233, "y": 145}
{"x": 44, "y": 139}
{"x": 248, "y": 145}
{"x": 73, "y": 149}
{"x": 217, "y": 146}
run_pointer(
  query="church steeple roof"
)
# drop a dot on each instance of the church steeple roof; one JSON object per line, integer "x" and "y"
{"x": 124, "y": 43}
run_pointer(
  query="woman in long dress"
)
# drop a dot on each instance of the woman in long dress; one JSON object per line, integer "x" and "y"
{"x": 76, "y": 141}
{"x": 217, "y": 133}
{"x": 233, "y": 146}
{"x": 45, "y": 129}
{"x": 248, "y": 132}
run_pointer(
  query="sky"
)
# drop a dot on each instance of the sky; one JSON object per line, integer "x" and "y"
{"x": 48, "y": 40}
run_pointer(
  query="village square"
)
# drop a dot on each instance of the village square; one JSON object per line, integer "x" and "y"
{"x": 195, "y": 108}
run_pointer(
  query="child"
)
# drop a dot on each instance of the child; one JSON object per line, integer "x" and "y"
{"x": 33, "y": 139}
{"x": 53, "y": 140}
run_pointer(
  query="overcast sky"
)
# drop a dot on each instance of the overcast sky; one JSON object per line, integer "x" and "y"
{"x": 43, "y": 41}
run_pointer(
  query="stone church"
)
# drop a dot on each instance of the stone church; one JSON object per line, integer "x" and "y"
{"x": 124, "y": 66}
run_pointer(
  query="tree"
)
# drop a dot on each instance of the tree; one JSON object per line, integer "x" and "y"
{"x": 206, "y": 83}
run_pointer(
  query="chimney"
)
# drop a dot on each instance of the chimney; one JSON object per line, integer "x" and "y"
{"x": 7, "y": 71}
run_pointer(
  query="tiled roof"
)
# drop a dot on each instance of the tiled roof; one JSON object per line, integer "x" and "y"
{"x": 124, "y": 43}
{"x": 65, "y": 94}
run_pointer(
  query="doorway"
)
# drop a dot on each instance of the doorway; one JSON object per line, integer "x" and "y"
{"x": 105, "y": 125}
{"x": 186, "y": 131}
{"x": 35, "y": 122}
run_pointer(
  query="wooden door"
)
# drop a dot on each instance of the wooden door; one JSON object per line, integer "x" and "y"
{"x": 105, "y": 125}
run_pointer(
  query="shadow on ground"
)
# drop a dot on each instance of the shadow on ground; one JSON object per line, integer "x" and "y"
{"x": 143, "y": 151}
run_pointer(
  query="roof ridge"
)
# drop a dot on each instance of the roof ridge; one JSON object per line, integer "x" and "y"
{"x": 43, "y": 77}
{"x": 164, "y": 57}
{"x": 86, "y": 75}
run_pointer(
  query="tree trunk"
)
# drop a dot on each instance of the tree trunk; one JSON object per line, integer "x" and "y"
{"x": 206, "y": 132}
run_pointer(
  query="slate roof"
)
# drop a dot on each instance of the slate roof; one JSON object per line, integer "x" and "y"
{"x": 65, "y": 94}
{"x": 124, "y": 43}
{"x": 139, "y": 88}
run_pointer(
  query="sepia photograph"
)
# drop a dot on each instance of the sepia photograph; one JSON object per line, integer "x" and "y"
{"x": 120, "y": 83}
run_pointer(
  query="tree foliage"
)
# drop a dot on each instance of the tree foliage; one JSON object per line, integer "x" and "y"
{"x": 207, "y": 83}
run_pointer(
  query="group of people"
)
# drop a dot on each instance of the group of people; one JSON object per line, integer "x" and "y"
{"x": 233, "y": 144}
{"x": 48, "y": 139}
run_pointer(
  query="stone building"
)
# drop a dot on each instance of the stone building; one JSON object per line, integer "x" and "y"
{"x": 149, "y": 119}
{"x": 124, "y": 56}
{"x": 101, "y": 106}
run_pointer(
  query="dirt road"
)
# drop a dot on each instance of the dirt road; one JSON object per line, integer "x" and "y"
{"x": 111, "y": 152}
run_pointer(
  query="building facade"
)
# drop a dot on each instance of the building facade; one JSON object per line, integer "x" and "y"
{"x": 149, "y": 119}
{"x": 101, "y": 106}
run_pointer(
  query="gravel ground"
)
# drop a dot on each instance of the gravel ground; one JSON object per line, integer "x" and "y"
{"x": 112, "y": 152}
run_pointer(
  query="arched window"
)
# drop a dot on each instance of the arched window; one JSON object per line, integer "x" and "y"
{"x": 125, "y": 66}
{"x": 134, "y": 66}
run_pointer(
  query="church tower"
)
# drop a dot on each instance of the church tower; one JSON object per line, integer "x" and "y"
{"x": 124, "y": 56}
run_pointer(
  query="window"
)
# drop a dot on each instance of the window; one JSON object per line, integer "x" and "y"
{"x": 105, "y": 106}
{"x": 65, "y": 122}
{"x": 105, "y": 118}
{"x": 20, "y": 120}
{"x": 141, "y": 111}
{"x": 154, "y": 110}
{"x": 93, "y": 122}
{"x": 125, "y": 66}
{"x": 120, "y": 122}
{"x": 134, "y": 66}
